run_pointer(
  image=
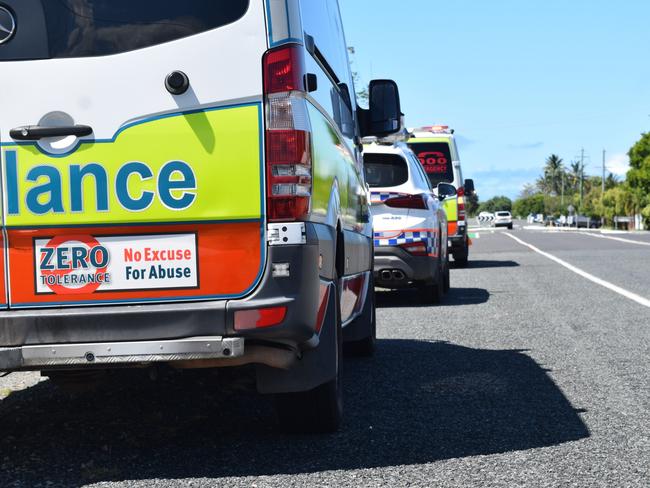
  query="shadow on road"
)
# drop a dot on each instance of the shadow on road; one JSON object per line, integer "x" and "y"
{"x": 491, "y": 264}
{"x": 415, "y": 402}
{"x": 409, "y": 297}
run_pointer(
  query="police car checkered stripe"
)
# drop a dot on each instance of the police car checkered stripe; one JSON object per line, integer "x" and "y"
{"x": 394, "y": 239}
{"x": 377, "y": 196}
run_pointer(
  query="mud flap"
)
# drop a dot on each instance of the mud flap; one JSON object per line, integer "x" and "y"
{"x": 361, "y": 327}
{"x": 316, "y": 367}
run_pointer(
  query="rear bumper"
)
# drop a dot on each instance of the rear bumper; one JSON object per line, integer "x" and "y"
{"x": 26, "y": 336}
{"x": 389, "y": 259}
{"x": 503, "y": 224}
{"x": 120, "y": 353}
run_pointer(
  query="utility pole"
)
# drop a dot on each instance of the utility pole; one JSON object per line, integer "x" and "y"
{"x": 562, "y": 199}
{"x": 603, "y": 185}
{"x": 582, "y": 175}
{"x": 602, "y": 195}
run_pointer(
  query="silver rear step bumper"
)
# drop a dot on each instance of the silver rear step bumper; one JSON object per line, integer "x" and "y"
{"x": 116, "y": 353}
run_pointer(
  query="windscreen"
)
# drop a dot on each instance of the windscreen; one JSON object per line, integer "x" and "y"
{"x": 436, "y": 161}
{"x": 81, "y": 28}
{"x": 385, "y": 170}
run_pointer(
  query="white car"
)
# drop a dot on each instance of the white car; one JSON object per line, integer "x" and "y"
{"x": 410, "y": 226}
{"x": 503, "y": 218}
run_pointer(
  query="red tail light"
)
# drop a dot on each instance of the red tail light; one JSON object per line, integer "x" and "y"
{"x": 288, "y": 136}
{"x": 461, "y": 204}
{"x": 288, "y": 166}
{"x": 461, "y": 209}
{"x": 408, "y": 201}
{"x": 259, "y": 318}
{"x": 415, "y": 248}
{"x": 284, "y": 70}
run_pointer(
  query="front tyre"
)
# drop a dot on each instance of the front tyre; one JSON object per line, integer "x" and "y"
{"x": 317, "y": 411}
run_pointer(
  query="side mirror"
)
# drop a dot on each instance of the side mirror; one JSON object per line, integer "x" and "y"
{"x": 385, "y": 113}
{"x": 469, "y": 187}
{"x": 445, "y": 190}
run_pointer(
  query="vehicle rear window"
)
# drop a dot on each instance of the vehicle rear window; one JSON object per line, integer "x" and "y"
{"x": 436, "y": 161}
{"x": 82, "y": 28}
{"x": 503, "y": 214}
{"x": 385, "y": 170}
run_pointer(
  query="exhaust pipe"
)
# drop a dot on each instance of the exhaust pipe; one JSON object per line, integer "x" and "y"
{"x": 386, "y": 275}
{"x": 398, "y": 275}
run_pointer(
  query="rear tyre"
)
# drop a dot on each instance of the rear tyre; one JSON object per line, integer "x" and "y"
{"x": 317, "y": 411}
{"x": 365, "y": 347}
{"x": 510, "y": 226}
{"x": 446, "y": 277}
{"x": 461, "y": 255}
{"x": 461, "y": 258}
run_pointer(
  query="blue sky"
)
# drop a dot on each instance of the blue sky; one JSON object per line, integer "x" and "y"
{"x": 517, "y": 79}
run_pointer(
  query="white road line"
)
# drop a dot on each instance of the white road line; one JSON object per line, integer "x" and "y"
{"x": 594, "y": 279}
{"x": 631, "y": 241}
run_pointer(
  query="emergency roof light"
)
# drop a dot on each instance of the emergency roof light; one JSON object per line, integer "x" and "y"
{"x": 436, "y": 129}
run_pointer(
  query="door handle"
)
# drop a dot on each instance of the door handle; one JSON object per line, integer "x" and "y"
{"x": 36, "y": 132}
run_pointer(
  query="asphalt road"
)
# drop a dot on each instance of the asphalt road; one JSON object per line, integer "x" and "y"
{"x": 527, "y": 375}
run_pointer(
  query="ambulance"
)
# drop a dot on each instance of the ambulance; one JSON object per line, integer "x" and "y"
{"x": 182, "y": 186}
{"x": 435, "y": 147}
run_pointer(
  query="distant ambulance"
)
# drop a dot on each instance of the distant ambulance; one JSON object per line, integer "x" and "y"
{"x": 436, "y": 149}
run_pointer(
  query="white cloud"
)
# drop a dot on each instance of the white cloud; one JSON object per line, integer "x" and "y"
{"x": 618, "y": 164}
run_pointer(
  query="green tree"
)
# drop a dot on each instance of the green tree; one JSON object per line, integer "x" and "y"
{"x": 551, "y": 180}
{"x": 495, "y": 204}
{"x": 553, "y": 206}
{"x": 611, "y": 181}
{"x": 575, "y": 173}
{"x": 471, "y": 204}
{"x": 638, "y": 177}
{"x": 533, "y": 204}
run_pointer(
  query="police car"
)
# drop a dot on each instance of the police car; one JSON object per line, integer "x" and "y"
{"x": 435, "y": 147}
{"x": 410, "y": 227}
{"x": 182, "y": 185}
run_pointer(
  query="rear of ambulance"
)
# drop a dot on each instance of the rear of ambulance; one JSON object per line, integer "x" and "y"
{"x": 436, "y": 149}
{"x": 134, "y": 186}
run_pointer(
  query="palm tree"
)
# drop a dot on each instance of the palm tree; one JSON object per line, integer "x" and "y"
{"x": 611, "y": 181}
{"x": 553, "y": 174}
{"x": 575, "y": 174}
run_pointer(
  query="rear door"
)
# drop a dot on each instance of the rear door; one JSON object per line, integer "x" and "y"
{"x": 437, "y": 160}
{"x": 397, "y": 190}
{"x": 145, "y": 194}
{"x": 387, "y": 176}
